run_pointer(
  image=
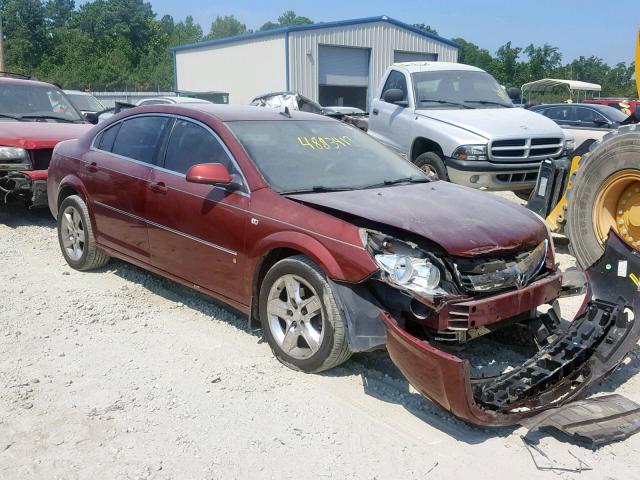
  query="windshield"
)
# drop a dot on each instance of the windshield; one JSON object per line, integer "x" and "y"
{"x": 33, "y": 102}
{"x": 312, "y": 155}
{"x": 613, "y": 114}
{"x": 85, "y": 103}
{"x": 458, "y": 89}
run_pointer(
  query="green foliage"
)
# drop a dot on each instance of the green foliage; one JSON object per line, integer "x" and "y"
{"x": 287, "y": 18}
{"x": 512, "y": 70}
{"x": 121, "y": 44}
{"x": 226, "y": 26}
{"x": 426, "y": 28}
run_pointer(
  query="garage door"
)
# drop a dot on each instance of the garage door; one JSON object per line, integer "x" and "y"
{"x": 343, "y": 66}
{"x": 400, "y": 57}
{"x": 343, "y": 76}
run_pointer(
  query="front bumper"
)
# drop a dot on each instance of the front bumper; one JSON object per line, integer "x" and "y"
{"x": 596, "y": 342}
{"x": 492, "y": 175}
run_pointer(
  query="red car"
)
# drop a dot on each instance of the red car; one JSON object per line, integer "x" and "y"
{"x": 34, "y": 117}
{"x": 329, "y": 241}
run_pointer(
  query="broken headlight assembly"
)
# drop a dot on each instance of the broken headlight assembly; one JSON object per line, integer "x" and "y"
{"x": 416, "y": 274}
{"x": 405, "y": 266}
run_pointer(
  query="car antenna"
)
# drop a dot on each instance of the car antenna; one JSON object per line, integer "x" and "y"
{"x": 285, "y": 111}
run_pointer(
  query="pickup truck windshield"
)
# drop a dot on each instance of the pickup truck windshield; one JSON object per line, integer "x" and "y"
{"x": 87, "y": 103}
{"x": 458, "y": 89}
{"x": 35, "y": 103}
{"x": 311, "y": 155}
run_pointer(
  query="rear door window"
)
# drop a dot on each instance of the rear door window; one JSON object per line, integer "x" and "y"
{"x": 139, "y": 138}
{"x": 191, "y": 144}
{"x": 560, "y": 114}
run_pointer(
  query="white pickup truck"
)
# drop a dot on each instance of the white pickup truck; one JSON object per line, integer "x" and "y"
{"x": 457, "y": 123}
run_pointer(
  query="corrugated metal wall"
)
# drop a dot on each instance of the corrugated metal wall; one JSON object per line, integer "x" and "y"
{"x": 381, "y": 37}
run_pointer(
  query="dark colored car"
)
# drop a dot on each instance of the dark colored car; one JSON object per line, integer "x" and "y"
{"x": 322, "y": 236}
{"x": 582, "y": 115}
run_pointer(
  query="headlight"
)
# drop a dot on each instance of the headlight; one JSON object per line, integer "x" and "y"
{"x": 569, "y": 144}
{"x": 14, "y": 155}
{"x": 471, "y": 152}
{"x": 415, "y": 274}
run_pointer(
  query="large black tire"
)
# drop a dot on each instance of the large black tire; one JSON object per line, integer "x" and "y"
{"x": 433, "y": 165}
{"x": 617, "y": 151}
{"x": 333, "y": 346}
{"x": 91, "y": 257}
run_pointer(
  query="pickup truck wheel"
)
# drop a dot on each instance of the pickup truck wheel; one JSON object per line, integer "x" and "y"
{"x": 431, "y": 163}
{"x": 300, "y": 318}
{"x": 75, "y": 235}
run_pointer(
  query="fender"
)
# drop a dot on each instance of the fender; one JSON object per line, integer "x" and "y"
{"x": 74, "y": 182}
{"x": 306, "y": 245}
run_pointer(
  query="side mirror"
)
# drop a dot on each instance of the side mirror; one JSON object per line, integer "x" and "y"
{"x": 395, "y": 96}
{"x": 213, "y": 174}
{"x": 91, "y": 118}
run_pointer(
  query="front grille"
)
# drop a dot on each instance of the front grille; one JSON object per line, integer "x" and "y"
{"x": 495, "y": 274}
{"x": 41, "y": 158}
{"x": 525, "y": 148}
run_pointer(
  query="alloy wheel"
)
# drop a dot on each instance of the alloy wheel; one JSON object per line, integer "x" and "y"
{"x": 295, "y": 316}
{"x": 73, "y": 233}
{"x": 430, "y": 171}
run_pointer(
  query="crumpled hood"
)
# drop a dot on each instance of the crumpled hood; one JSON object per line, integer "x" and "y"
{"x": 34, "y": 135}
{"x": 493, "y": 123}
{"x": 463, "y": 221}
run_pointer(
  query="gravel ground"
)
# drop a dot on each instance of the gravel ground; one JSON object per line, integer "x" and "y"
{"x": 120, "y": 374}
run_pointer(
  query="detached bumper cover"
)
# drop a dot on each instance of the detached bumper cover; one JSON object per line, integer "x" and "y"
{"x": 597, "y": 340}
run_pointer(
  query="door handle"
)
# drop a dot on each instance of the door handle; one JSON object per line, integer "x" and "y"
{"x": 158, "y": 187}
{"x": 375, "y": 111}
{"x": 92, "y": 167}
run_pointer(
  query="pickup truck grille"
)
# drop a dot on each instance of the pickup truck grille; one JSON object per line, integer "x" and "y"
{"x": 525, "y": 149}
{"x": 41, "y": 158}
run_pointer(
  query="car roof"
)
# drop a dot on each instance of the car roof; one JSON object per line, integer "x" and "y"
{"x": 21, "y": 81}
{"x": 595, "y": 106}
{"x": 232, "y": 113}
{"x": 177, "y": 99}
{"x": 426, "y": 66}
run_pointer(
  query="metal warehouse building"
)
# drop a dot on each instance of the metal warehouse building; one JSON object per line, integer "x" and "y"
{"x": 334, "y": 63}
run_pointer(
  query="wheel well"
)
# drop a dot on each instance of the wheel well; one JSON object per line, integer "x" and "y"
{"x": 66, "y": 192}
{"x": 267, "y": 261}
{"x": 422, "y": 145}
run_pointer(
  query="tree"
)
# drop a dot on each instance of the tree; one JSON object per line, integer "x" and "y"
{"x": 227, "y": 26}
{"x": 287, "y": 18}
{"x": 26, "y": 35}
{"x": 425, "y": 28}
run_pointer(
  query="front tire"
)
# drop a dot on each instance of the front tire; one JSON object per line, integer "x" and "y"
{"x": 432, "y": 164}
{"x": 300, "y": 318}
{"x": 75, "y": 235}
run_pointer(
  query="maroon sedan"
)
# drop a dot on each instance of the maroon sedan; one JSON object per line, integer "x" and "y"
{"x": 321, "y": 235}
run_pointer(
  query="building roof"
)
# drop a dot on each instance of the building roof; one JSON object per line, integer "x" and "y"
{"x": 315, "y": 26}
{"x": 547, "y": 84}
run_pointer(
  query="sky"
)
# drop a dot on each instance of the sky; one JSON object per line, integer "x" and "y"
{"x": 584, "y": 27}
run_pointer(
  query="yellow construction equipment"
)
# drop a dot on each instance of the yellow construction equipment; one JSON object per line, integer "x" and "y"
{"x": 598, "y": 190}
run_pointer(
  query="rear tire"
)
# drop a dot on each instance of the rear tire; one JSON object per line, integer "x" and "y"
{"x": 305, "y": 329}
{"x": 618, "y": 151}
{"x": 432, "y": 164}
{"x": 75, "y": 235}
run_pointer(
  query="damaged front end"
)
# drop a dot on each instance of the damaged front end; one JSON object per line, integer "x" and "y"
{"x": 566, "y": 364}
{"x": 29, "y": 186}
